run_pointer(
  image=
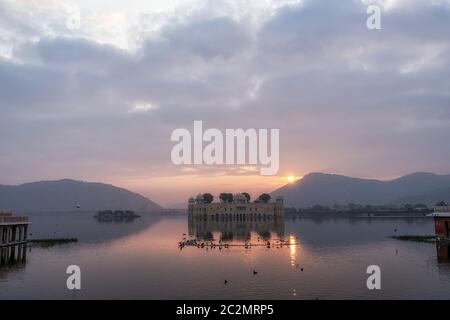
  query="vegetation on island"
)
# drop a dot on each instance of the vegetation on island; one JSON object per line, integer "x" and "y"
{"x": 52, "y": 242}
{"x": 208, "y": 197}
{"x": 416, "y": 238}
{"x": 247, "y": 196}
{"x": 265, "y": 198}
{"x": 116, "y": 216}
{"x": 226, "y": 197}
{"x": 353, "y": 208}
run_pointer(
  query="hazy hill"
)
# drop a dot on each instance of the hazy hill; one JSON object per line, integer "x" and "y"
{"x": 330, "y": 189}
{"x": 64, "y": 195}
{"x": 429, "y": 198}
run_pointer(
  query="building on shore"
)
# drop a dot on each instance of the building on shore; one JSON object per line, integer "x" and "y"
{"x": 13, "y": 229}
{"x": 442, "y": 220}
{"x": 13, "y": 239}
{"x": 239, "y": 209}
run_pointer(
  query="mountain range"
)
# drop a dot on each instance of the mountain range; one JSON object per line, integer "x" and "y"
{"x": 68, "y": 195}
{"x": 330, "y": 189}
{"x": 312, "y": 189}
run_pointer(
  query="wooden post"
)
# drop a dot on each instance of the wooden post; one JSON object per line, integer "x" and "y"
{"x": 19, "y": 253}
{"x": 13, "y": 233}
{"x": 12, "y": 253}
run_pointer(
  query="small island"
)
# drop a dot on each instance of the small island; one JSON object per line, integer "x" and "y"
{"x": 116, "y": 216}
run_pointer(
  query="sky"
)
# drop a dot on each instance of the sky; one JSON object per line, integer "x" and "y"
{"x": 92, "y": 90}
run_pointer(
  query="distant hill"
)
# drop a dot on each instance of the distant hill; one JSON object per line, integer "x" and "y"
{"x": 330, "y": 189}
{"x": 429, "y": 198}
{"x": 65, "y": 195}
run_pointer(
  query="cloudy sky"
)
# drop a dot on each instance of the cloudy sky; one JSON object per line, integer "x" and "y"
{"x": 92, "y": 89}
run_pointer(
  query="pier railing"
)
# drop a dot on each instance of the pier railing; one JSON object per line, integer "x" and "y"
{"x": 5, "y": 213}
{"x": 12, "y": 219}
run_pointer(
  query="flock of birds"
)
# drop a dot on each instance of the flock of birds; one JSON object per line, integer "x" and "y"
{"x": 247, "y": 244}
{"x": 212, "y": 245}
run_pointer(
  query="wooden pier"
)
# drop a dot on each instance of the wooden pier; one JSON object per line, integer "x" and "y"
{"x": 13, "y": 229}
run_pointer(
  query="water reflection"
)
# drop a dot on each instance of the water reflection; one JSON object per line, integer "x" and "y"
{"x": 228, "y": 230}
{"x": 115, "y": 219}
{"x": 443, "y": 252}
{"x": 326, "y": 260}
{"x": 13, "y": 255}
{"x": 293, "y": 250}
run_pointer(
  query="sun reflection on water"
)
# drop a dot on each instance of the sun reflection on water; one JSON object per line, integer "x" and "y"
{"x": 293, "y": 250}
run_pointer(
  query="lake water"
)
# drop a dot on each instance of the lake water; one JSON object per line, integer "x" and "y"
{"x": 323, "y": 258}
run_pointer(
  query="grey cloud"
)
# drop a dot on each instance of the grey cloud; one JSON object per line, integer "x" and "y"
{"x": 217, "y": 37}
{"x": 325, "y": 80}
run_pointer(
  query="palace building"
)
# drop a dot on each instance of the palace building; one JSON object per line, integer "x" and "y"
{"x": 239, "y": 209}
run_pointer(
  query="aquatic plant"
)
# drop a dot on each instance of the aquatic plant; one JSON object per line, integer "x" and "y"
{"x": 53, "y": 242}
{"x": 416, "y": 238}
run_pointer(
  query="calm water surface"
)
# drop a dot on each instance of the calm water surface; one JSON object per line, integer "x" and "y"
{"x": 322, "y": 258}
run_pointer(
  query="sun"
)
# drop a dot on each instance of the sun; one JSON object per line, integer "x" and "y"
{"x": 291, "y": 178}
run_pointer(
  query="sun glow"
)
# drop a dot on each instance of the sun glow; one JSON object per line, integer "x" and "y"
{"x": 291, "y": 178}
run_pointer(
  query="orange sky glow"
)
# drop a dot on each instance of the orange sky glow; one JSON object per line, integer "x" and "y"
{"x": 168, "y": 191}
